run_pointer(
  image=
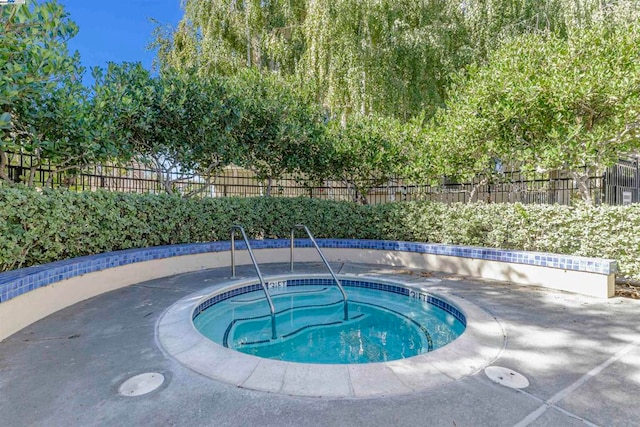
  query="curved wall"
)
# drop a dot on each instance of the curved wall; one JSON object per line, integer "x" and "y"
{"x": 29, "y": 294}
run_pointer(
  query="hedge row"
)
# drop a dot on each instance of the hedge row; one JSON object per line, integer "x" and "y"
{"x": 39, "y": 227}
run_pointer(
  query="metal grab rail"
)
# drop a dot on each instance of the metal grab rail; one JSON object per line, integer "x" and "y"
{"x": 335, "y": 278}
{"x": 255, "y": 264}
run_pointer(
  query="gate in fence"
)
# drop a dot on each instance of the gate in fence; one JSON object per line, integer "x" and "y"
{"x": 622, "y": 182}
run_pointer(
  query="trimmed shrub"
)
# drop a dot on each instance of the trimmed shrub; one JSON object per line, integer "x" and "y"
{"x": 40, "y": 227}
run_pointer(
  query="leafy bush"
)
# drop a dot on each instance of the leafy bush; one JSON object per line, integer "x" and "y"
{"x": 594, "y": 231}
{"x": 40, "y": 227}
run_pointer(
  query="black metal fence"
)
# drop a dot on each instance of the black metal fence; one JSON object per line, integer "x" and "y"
{"x": 620, "y": 184}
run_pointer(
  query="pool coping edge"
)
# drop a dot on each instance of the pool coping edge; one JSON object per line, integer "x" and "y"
{"x": 475, "y": 349}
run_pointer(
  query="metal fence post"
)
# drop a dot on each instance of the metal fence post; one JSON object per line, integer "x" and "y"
{"x": 637, "y": 179}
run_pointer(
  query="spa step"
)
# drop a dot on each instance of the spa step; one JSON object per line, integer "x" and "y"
{"x": 288, "y": 321}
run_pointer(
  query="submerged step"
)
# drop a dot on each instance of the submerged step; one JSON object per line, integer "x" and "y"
{"x": 365, "y": 336}
{"x": 255, "y": 304}
{"x": 257, "y": 329}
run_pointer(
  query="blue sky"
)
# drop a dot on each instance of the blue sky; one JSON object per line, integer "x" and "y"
{"x": 117, "y": 31}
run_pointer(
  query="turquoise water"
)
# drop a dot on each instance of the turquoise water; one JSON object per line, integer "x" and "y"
{"x": 382, "y": 326}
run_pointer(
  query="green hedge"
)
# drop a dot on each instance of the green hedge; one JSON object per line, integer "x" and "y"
{"x": 39, "y": 227}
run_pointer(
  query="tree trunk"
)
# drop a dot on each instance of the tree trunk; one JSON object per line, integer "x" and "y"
{"x": 167, "y": 184}
{"x": 582, "y": 181}
{"x": 32, "y": 172}
{"x": 269, "y": 186}
{"x": 363, "y": 199}
{"x": 474, "y": 191}
{"x": 4, "y": 168}
{"x": 359, "y": 196}
{"x": 164, "y": 183}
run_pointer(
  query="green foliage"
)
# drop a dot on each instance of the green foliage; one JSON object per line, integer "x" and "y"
{"x": 492, "y": 22}
{"x": 391, "y": 58}
{"x": 177, "y": 124}
{"x": 279, "y": 130}
{"x": 550, "y": 84}
{"x": 42, "y": 101}
{"x": 182, "y": 124}
{"x": 223, "y": 36}
{"x": 547, "y": 103}
{"x": 33, "y": 54}
{"x": 41, "y": 227}
{"x": 602, "y": 231}
{"x": 384, "y": 57}
{"x": 368, "y": 151}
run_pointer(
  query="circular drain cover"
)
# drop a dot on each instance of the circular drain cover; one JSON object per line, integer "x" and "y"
{"x": 507, "y": 377}
{"x": 141, "y": 384}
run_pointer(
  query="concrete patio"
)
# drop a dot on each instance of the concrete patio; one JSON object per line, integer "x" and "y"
{"x": 581, "y": 356}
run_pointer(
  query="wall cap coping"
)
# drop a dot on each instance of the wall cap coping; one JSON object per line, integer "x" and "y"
{"x": 17, "y": 282}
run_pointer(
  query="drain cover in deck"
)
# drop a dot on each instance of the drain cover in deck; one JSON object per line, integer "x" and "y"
{"x": 141, "y": 384}
{"x": 506, "y": 377}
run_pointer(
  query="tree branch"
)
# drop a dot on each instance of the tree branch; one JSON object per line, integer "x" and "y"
{"x": 627, "y": 129}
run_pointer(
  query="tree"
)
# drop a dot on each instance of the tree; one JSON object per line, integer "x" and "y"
{"x": 279, "y": 131}
{"x": 62, "y": 130}
{"x": 384, "y": 57}
{"x": 391, "y": 58}
{"x": 178, "y": 124}
{"x": 548, "y": 103}
{"x": 493, "y": 22}
{"x": 368, "y": 152}
{"x": 221, "y": 37}
{"x": 40, "y": 97}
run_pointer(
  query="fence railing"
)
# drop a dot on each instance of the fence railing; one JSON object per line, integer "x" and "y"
{"x": 623, "y": 182}
{"x": 618, "y": 185}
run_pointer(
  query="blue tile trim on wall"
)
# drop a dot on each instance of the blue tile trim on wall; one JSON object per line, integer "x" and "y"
{"x": 385, "y": 287}
{"x": 18, "y": 282}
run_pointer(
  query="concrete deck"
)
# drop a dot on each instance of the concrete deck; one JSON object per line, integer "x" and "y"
{"x": 581, "y": 356}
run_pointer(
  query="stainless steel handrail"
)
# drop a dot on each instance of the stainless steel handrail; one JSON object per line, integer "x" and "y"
{"x": 255, "y": 264}
{"x": 335, "y": 278}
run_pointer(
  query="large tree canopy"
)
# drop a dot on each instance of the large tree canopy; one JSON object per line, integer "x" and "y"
{"x": 279, "y": 130}
{"x": 385, "y": 57}
{"x": 33, "y": 55}
{"x": 368, "y": 152}
{"x": 382, "y": 57}
{"x": 335, "y": 89}
{"x": 547, "y": 103}
{"x": 177, "y": 124}
{"x": 41, "y": 98}
{"x": 224, "y": 36}
{"x": 492, "y": 22}
{"x": 391, "y": 58}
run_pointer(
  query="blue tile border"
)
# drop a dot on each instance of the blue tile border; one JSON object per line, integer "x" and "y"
{"x": 17, "y": 282}
{"x": 368, "y": 284}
